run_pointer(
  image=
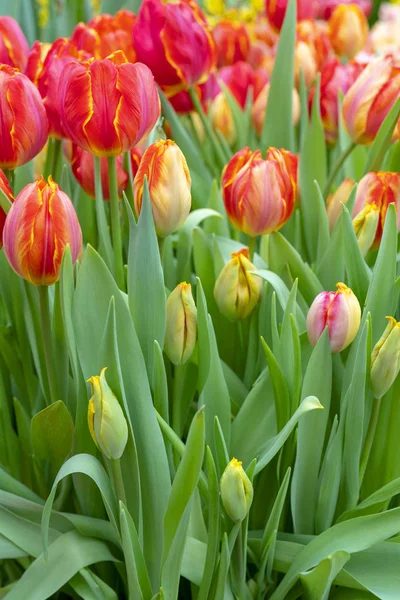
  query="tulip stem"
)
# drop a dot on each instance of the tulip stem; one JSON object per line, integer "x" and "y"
{"x": 47, "y": 340}
{"x": 118, "y": 480}
{"x": 369, "y": 438}
{"x": 208, "y": 128}
{"x": 56, "y": 163}
{"x": 10, "y": 174}
{"x": 105, "y": 247}
{"x": 337, "y": 166}
{"x": 116, "y": 222}
{"x": 5, "y": 202}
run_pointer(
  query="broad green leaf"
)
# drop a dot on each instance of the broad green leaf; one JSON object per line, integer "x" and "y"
{"x": 52, "y": 433}
{"x": 281, "y": 392}
{"x": 138, "y": 578}
{"x": 331, "y": 266}
{"x": 358, "y": 273}
{"x": 317, "y": 582}
{"x": 383, "y": 140}
{"x": 329, "y": 479}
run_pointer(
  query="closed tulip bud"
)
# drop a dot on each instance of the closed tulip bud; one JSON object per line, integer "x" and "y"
{"x": 337, "y": 199}
{"x": 233, "y": 42}
{"x": 236, "y": 491}
{"x": 40, "y": 224}
{"x": 375, "y": 192}
{"x": 23, "y": 122}
{"x": 370, "y": 98}
{"x": 181, "y": 331}
{"x": 348, "y": 30}
{"x": 259, "y": 194}
{"x": 222, "y": 119}
{"x": 165, "y": 167}
{"x": 82, "y": 165}
{"x": 237, "y": 290}
{"x": 105, "y": 34}
{"x": 175, "y": 41}
{"x": 108, "y": 124}
{"x": 7, "y": 191}
{"x": 276, "y": 10}
{"x": 385, "y": 359}
{"x": 259, "y": 109}
{"x": 106, "y": 420}
{"x": 13, "y": 45}
{"x": 340, "y": 312}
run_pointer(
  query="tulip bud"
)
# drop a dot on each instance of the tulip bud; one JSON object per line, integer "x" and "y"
{"x": 366, "y": 225}
{"x": 259, "y": 109}
{"x": 82, "y": 165}
{"x": 339, "y": 311}
{"x": 236, "y": 491}
{"x": 237, "y": 290}
{"x": 232, "y": 41}
{"x": 348, "y": 30}
{"x": 165, "y": 167}
{"x": 259, "y": 195}
{"x": 222, "y": 119}
{"x": 385, "y": 359}
{"x": 337, "y": 199}
{"x": 181, "y": 330}
{"x": 13, "y": 45}
{"x": 7, "y": 191}
{"x": 106, "y": 420}
{"x": 39, "y": 225}
{"x": 23, "y": 122}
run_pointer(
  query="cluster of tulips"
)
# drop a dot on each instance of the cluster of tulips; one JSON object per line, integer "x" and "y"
{"x": 185, "y": 186}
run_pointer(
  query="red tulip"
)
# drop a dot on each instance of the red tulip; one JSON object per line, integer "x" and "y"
{"x": 175, "y": 41}
{"x": 35, "y": 60}
{"x": 106, "y": 34}
{"x": 239, "y": 79}
{"x": 276, "y": 10}
{"x": 108, "y": 124}
{"x": 13, "y": 45}
{"x": 39, "y": 225}
{"x": 5, "y": 188}
{"x": 232, "y": 41}
{"x": 23, "y": 122}
{"x": 82, "y": 165}
{"x": 326, "y": 7}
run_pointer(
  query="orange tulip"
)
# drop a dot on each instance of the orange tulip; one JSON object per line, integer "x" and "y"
{"x": 232, "y": 41}
{"x": 39, "y": 225}
{"x": 108, "y": 124}
{"x": 311, "y": 51}
{"x": 337, "y": 199}
{"x": 82, "y": 165}
{"x": 23, "y": 121}
{"x": 5, "y": 188}
{"x": 348, "y": 30}
{"x": 13, "y": 45}
{"x": 35, "y": 60}
{"x": 259, "y": 195}
{"x": 259, "y": 108}
{"x": 370, "y": 98}
{"x": 276, "y": 10}
{"x": 175, "y": 41}
{"x": 105, "y": 34}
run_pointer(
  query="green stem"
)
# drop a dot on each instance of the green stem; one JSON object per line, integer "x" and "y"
{"x": 252, "y": 246}
{"x": 49, "y": 158}
{"x": 220, "y": 156}
{"x": 161, "y": 246}
{"x": 105, "y": 247}
{"x": 115, "y": 222}
{"x": 118, "y": 480}
{"x": 57, "y": 162}
{"x": 369, "y": 438}
{"x": 337, "y": 166}
{"x": 47, "y": 340}
{"x": 129, "y": 188}
{"x": 5, "y": 202}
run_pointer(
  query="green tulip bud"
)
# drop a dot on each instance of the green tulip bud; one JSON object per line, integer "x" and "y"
{"x": 385, "y": 360}
{"x": 236, "y": 491}
{"x": 181, "y": 330}
{"x": 106, "y": 420}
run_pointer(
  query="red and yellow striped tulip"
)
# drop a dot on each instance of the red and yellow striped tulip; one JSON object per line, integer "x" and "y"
{"x": 105, "y": 34}
{"x": 339, "y": 311}
{"x": 112, "y": 123}
{"x": 276, "y": 10}
{"x": 337, "y": 199}
{"x": 13, "y": 45}
{"x": 35, "y": 61}
{"x": 39, "y": 225}
{"x": 259, "y": 109}
{"x": 7, "y": 191}
{"x": 165, "y": 167}
{"x": 370, "y": 98}
{"x": 82, "y": 165}
{"x": 348, "y": 30}
{"x": 23, "y": 122}
{"x": 259, "y": 194}
{"x": 175, "y": 41}
{"x": 233, "y": 42}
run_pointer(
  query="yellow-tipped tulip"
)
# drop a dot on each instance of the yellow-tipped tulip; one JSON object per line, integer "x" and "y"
{"x": 237, "y": 291}
{"x": 236, "y": 491}
{"x": 366, "y": 225}
{"x": 385, "y": 360}
{"x": 107, "y": 423}
{"x": 181, "y": 331}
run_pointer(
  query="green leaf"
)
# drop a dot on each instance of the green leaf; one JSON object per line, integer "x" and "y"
{"x": 358, "y": 273}
{"x": 317, "y": 582}
{"x": 383, "y": 140}
{"x": 52, "y": 433}
{"x": 281, "y": 392}
{"x": 137, "y": 575}
{"x": 331, "y": 266}
{"x": 278, "y": 130}
{"x": 185, "y": 240}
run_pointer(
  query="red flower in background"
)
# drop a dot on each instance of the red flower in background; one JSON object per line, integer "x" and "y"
{"x": 276, "y": 10}
{"x": 175, "y": 41}
{"x": 13, "y": 45}
{"x": 106, "y": 34}
{"x": 5, "y": 188}
{"x": 326, "y": 7}
{"x": 239, "y": 79}
{"x": 108, "y": 124}
{"x": 232, "y": 41}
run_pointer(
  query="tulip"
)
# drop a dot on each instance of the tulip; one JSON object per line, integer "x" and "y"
{"x": 236, "y": 491}
{"x": 370, "y": 98}
{"x": 259, "y": 109}
{"x": 108, "y": 125}
{"x": 105, "y": 34}
{"x": 385, "y": 359}
{"x": 237, "y": 291}
{"x": 339, "y": 311}
{"x": 106, "y": 420}
{"x": 7, "y": 191}
{"x": 175, "y": 41}
{"x": 35, "y": 60}
{"x": 348, "y": 30}
{"x": 181, "y": 331}
{"x": 221, "y": 118}
{"x": 39, "y": 225}
{"x": 239, "y": 79}
{"x": 23, "y": 121}
{"x": 312, "y": 49}
{"x": 232, "y": 41}
{"x": 259, "y": 195}
{"x": 325, "y": 8}
{"x": 82, "y": 165}
{"x": 276, "y": 10}
{"x": 337, "y": 199}
{"x": 375, "y": 192}
{"x": 13, "y": 45}
{"x": 165, "y": 167}
{"x": 182, "y": 101}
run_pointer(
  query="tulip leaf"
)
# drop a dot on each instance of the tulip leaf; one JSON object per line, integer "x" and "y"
{"x": 138, "y": 579}
{"x": 358, "y": 273}
{"x": 52, "y": 432}
{"x": 278, "y": 130}
{"x": 383, "y": 140}
{"x": 317, "y": 581}
{"x": 146, "y": 292}
{"x": 331, "y": 265}
{"x": 281, "y": 392}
